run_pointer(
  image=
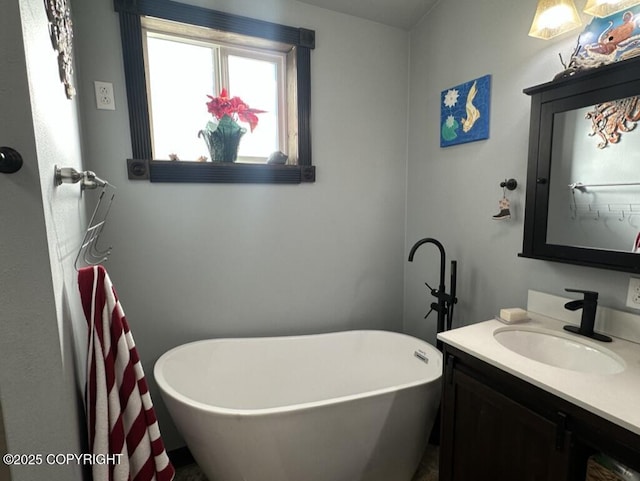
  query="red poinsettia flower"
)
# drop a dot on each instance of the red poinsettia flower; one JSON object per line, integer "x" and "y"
{"x": 234, "y": 107}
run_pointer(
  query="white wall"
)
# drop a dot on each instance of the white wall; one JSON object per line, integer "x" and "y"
{"x": 39, "y": 388}
{"x": 208, "y": 260}
{"x": 453, "y": 193}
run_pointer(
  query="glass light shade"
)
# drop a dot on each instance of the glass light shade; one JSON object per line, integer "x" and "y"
{"x": 554, "y": 17}
{"x": 604, "y": 8}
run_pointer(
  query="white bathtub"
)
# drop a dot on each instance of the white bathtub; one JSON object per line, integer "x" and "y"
{"x": 344, "y": 406}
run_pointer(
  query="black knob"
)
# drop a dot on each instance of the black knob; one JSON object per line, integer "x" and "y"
{"x": 510, "y": 184}
{"x": 10, "y": 160}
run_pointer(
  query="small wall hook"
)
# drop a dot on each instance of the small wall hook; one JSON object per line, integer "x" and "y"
{"x": 510, "y": 184}
{"x": 10, "y": 160}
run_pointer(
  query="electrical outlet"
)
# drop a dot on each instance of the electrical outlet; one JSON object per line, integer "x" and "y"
{"x": 633, "y": 294}
{"x": 104, "y": 95}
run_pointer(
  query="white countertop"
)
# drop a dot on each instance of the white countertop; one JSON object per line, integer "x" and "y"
{"x": 615, "y": 397}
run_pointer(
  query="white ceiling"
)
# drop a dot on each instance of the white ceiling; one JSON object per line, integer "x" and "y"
{"x": 397, "y": 13}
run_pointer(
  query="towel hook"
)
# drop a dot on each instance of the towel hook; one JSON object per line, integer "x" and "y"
{"x": 574, "y": 214}
{"x": 510, "y": 184}
{"x": 89, "y": 251}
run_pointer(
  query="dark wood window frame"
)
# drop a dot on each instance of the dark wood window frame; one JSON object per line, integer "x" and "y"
{"x": 142, "y": 166}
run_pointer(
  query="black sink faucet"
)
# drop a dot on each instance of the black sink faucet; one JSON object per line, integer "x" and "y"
{"x": 589, "y": 305}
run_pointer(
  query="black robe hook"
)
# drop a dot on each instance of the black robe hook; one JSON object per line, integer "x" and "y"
{"x": 510, "y": 184}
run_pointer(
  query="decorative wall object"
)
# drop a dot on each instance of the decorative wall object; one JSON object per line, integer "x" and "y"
{"x": 609, "y": 39}
{"x": 504, "y": 205}
{"x": 610, "y": 119}
{"x": 61, "y": 31}
{"x": 464, "y": 112}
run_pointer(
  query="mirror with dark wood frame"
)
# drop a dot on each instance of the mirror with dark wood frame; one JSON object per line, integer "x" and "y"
{"x": 583, "y": 175}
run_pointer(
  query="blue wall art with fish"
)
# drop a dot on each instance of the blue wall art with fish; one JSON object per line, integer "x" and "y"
{"x": 464, "y": 112}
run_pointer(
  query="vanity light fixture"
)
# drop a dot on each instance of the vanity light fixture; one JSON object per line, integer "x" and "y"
{"x": 554, "y": 17}
{"x": 604, "y": 8}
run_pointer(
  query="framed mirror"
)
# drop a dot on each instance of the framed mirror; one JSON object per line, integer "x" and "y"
{"x": 583, "y": 175}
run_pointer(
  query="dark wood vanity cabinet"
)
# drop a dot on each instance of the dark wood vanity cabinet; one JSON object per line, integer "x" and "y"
{"x": 491, "y": 437}
{"x": 496, "y": 427}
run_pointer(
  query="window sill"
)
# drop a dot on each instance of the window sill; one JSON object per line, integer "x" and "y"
{"x": 218, "y": 172}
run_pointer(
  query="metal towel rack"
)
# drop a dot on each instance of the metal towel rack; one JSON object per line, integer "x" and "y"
{"x": 583, "y": 187}
{"x": 89, "y": 252}
{"x": 596, "y": 210}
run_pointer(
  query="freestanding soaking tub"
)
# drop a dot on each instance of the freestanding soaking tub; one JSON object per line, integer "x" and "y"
{"x": 344, "y": 406}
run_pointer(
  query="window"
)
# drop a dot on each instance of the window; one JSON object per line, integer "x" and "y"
{"x": 182, "y": 68}
{"x": 176, "y": 54}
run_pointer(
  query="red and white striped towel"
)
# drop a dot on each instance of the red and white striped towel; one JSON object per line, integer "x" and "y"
{"x": 120, "y": 415}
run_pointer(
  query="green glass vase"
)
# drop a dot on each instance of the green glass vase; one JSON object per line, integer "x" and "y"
{"x": 223, "y": 139}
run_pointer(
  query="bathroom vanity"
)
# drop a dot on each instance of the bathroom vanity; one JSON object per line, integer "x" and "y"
{"x": 525, "y": 402}
{"x": 506, "y": 416}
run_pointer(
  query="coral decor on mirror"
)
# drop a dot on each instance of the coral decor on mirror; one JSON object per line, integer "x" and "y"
{"x": 223, "y": 136}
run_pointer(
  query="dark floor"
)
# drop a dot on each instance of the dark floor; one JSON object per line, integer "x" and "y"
{"x": 427, "y": 471}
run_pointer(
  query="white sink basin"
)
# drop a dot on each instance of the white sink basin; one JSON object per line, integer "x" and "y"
{"x": 561, "y": 350}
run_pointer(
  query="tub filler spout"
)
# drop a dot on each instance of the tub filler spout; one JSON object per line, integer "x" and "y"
{"x": 444, "y": 302}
